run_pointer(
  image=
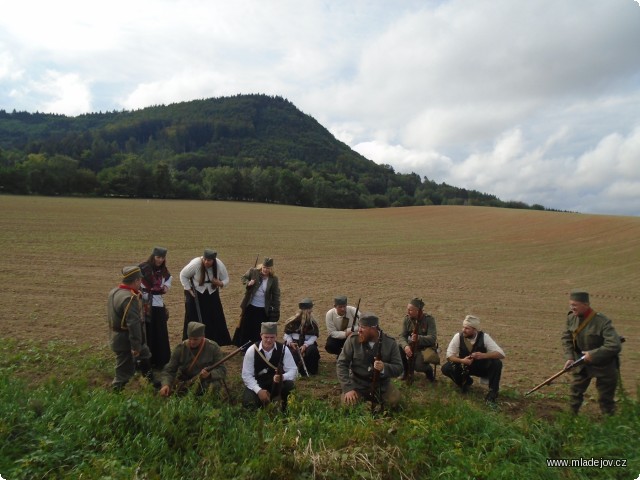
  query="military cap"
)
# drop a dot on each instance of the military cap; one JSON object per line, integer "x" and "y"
{"x": 471, "y": 321}
{"x": 269, "y": 328}
{"x": 305, "y": 304}
{"x": 159, "y": 252}
{"x": 340, "y": 300}
{"x": 579, "y": 296}
{"x": 129, "y": 274}
{"x": 368, "y": 320}
{"x": 268, "y": 262}
{"x": 210, "y": 254}
{"x": 417, "y": 302}
{"x": 195, "y": 329}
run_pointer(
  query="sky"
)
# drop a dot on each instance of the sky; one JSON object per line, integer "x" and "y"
{"x": 533, "y": 101}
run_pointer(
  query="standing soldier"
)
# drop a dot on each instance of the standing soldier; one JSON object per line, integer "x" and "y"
{"x": 357, "y": 361}
{"x": 425, "y": 341}
{"x": 340, "y": 320}
{"x": 156, "y": 281}
{"x": 189, "y": 360}
{"x": 202, "y": 279}
{"x": 591, "y": 334}
{"x": 128, "y": 342}
{"x": 301, "y": 336}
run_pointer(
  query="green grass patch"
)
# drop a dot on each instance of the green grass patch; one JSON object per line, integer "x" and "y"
{"x": 67, "y": 428}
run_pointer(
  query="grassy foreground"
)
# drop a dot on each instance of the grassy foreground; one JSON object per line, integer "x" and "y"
{"x": 51, "y": 428}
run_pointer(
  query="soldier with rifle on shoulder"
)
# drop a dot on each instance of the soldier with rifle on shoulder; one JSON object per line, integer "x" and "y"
{"x": 127, "y": 329}
{"x": 363, "y": 376}
{"x": 301, "y": 336}
{"x": 190, "y": 360}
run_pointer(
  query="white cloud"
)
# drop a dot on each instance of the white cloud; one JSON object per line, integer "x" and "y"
{"x": 510, "y": 97}
{"x": 66, "y": 93}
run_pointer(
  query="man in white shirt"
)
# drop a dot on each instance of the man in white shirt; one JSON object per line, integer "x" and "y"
{"x": 268, "y": 370}
{"x": 342, "y": 322}
{"x": 473, "y": 352}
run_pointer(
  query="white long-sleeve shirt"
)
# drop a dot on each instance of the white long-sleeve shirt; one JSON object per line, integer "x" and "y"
{"x": 249, "y": 375}
{"x": 453, "y": 350}
{"x": 193, "y": 269}
{"x": 334, "y": 321}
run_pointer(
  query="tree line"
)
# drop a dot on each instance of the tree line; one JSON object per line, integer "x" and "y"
{"x": 247, "y": 148}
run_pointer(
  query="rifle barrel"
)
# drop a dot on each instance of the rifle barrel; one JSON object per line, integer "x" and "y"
{"x": 553, "y": 377}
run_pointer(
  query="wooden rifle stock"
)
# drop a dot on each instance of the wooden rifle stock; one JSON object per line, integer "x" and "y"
{"x": 300, "y": 344}
{"x": 276, "y": 388}
{"x": 376, "y": 393}
{"x": 196, "y": 299}
{"x": 411, "y": 362}
{"x": 577, "y": 362}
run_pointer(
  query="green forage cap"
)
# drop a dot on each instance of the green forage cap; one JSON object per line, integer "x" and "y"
{"x": 269, "y": 328}
{"x": 579, "y": 296}
{"x": 369, "y": 320}
{"x": 195, "y": 329}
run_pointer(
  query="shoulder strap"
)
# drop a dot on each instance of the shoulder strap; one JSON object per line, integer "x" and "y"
{"x": 195, "y": 359}
{"x": 123, "y": 320}
{"x": 265, "y": 358}
{"x": 581, "y": 327}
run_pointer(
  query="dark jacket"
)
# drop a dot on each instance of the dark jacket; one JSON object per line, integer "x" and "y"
{"x": 271, "y": 295}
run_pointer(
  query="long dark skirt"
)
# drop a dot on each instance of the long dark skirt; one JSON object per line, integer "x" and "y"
{"x": 249, "y": 331}
{"x": 212, "y": 316}
{"x": 158, "y": 337}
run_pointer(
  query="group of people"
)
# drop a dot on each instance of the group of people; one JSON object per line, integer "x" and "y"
{"x": 367, "y": 359}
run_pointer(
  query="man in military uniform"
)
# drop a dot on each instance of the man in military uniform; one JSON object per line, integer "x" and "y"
{"x": 357, "y": 361}
{"x": 126, "y": 322}
{"x": 591, "y": 334}
{"x": 425, "y": 339}
{"x": 189, "y": 361}
{"x": 268, "y": 370}
{"x": 473, "y": 352}
{"x": 341, "y": 323}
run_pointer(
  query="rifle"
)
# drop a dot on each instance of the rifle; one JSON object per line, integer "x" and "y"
{"x": 236, "y": 334}
{"x": 196, "y": 299}
{"x": 355, "y": 316}
{"x": 376, "y": 390}
{"x": 411, "y": 362}
{"x": 572, "y": 365}
{"x": 276, "y": 388}
{"x": 300, "y": 343}
{"x": 184, "y": 385}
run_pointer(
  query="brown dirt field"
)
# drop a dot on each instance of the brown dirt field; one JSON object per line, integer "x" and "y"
{"x": 512, "y": 268}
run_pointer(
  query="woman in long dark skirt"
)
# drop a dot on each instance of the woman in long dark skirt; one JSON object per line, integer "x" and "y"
{"x": 156, "y": 281}
{"x": 261, "y": 302}
{"x": 202, "y": 279}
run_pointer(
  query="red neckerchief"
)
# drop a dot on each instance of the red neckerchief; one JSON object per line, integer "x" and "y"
{"x": 124, "y": 286}
{"x": 586, "y": 314}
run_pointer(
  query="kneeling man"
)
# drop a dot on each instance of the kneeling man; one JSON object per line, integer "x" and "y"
{"x": 473, "y": 352}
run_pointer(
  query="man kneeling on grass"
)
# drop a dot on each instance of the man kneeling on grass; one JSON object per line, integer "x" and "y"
{"x": 357, "y": 362}
{"x": 473, "y": 352}
{"x": 190, "y": 363}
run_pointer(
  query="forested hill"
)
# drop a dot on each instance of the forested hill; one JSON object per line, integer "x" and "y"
{"x": 247, "y": 147}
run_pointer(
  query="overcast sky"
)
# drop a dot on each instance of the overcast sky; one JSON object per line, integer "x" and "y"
{"x": 530, "y": 100}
